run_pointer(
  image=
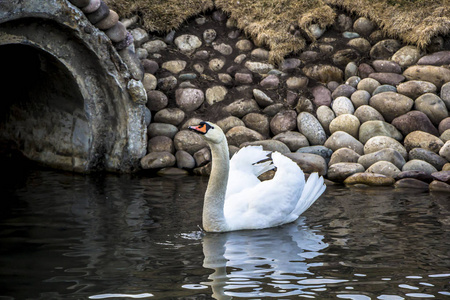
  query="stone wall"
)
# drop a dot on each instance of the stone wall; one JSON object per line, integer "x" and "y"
{"x": 356, "y": 106}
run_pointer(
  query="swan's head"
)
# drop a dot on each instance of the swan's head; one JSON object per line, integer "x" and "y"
{"x": 209, "y": 131}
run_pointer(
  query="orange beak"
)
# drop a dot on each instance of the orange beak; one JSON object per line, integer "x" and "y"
{"x": 199, "y": 128}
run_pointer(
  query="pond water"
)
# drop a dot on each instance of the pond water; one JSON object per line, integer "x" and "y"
{"x": 66, "y": 236}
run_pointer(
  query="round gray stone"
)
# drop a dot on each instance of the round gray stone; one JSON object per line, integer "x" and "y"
{"x": 229, "y": 122}
{"x": 359, "y": 98}
{"x": 419, "y": 165}
{"x": 242, "y": 107}
{"x": 157, "y": 160}
{"x": 293, "y": 139}
{"x": 283, "y": 121}
{"x": 257, "y": 122}
{"x": 341, "y": 139}
{"x": 391, "y": 105}
{"x": 325, "y": 115}
{"x": 433, "y": 106}
{"x": 188, "y": 141}
{"x": 184, "y": 160}
{"x": 240, "y": 134}
{"x": 156, "y": 100}
{"x": 172, "y": 116}
{"x": 310, "y": 127}
{"x": 342, "y": 105}
{"x": 340, "y": 171}
{"x": 429, "y": 156}
{"x": 160, "y": 144}
{"x": 162, "y": 129}
{"x": 309, "y": 163}
{"x": 385, "y": 154}
{"x": 343, "y": 155}
{"x": 373, "y": 128}
{"x": 347, "y": 123}
{"x": 377, "y": 143}
{"x": 416, "y": 88}
{"x": 189, "y": 99}
{"x": 385, "y": 168}
{"x": 187, "y": 43}
{"x": 269, "y": 145}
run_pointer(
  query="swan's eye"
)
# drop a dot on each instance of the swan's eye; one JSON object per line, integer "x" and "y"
{"x": 208, "y": 127}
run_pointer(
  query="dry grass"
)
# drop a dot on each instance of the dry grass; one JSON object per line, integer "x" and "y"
{"x": 412, "y": 21}
{"x": 281, "y": 25}
{"x": 160, "y": 15}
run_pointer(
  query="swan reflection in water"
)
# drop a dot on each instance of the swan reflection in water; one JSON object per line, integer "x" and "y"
{"x": 261, "y": 263}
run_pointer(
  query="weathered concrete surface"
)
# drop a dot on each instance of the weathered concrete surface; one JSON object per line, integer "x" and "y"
{"x": 64, "y": 93}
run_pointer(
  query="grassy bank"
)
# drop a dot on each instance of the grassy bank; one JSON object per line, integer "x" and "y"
{"x": 283, "y": 25}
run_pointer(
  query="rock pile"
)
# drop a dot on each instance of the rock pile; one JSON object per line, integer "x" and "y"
{"x": 357, "y": 107}
{"x": 107, "y": 20}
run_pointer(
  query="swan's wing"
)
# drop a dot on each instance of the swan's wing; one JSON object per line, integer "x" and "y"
{"x": 248, "y": 160}
{"x": 245, "y": 167}
{"x": 267, "y": 203}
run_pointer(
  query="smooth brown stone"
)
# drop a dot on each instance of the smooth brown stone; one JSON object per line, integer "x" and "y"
{"x": 436, "y": 75}
{"x": 109, "y": 21}
{"x": 439, "y": 186}
{"x": 411, "y": 183}
{"x": 413, "y": 121}
{"x": 421, "y": 139}
{"x": 388, "y": 78}
{"x": 371, "y": 179}
{"x": 420, "y": 175}
{"x": 171, "y": 171}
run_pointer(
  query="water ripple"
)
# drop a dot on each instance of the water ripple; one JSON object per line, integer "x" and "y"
{"x": 69, "y": 237}
{"x": 105, "y": 296}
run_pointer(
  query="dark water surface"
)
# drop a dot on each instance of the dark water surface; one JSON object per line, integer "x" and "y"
{"x": 66, "y": 236}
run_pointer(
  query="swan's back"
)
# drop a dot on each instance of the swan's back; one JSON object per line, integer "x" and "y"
{"x": 252, "y": 204}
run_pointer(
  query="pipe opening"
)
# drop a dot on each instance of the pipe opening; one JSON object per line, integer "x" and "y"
{"x": 42, "y": 110}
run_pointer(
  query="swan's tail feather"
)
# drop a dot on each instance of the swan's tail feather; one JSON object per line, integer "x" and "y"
{"x": 314, "y": 187}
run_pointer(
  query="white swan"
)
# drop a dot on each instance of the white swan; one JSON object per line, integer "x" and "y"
{"x": 236, "y": 199}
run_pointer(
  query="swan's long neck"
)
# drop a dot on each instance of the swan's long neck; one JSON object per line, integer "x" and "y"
{"x": 213, "y": 206}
